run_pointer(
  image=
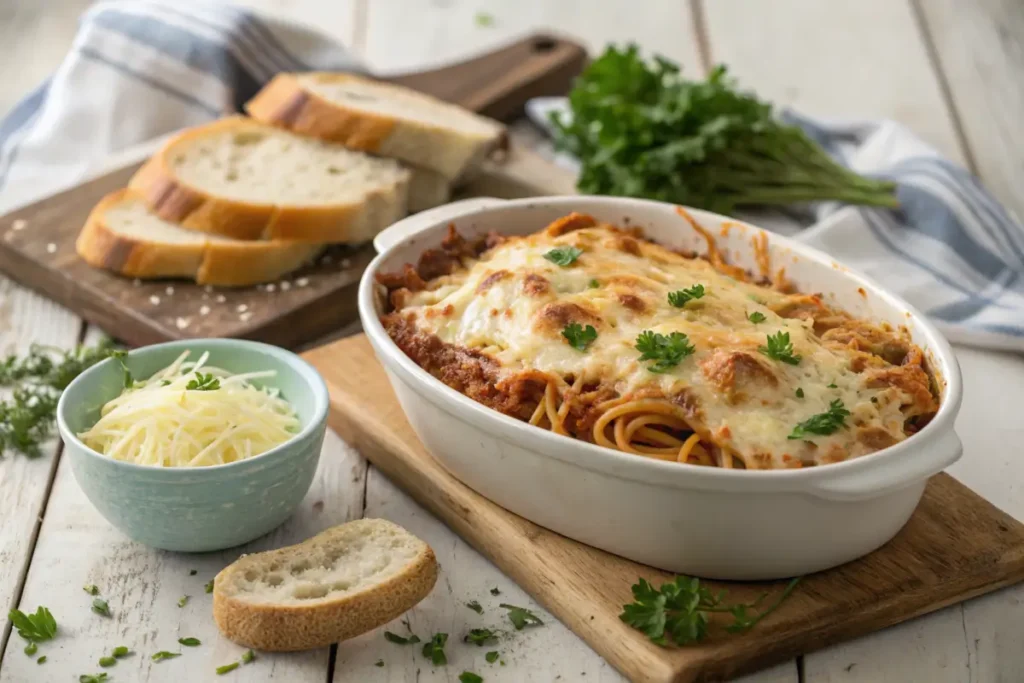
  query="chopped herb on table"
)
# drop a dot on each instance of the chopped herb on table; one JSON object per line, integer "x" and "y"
{"x": 91, "y": 589}
{"x": 480, "y": 636}
{"x": 121, "y": 651}
{"x": 209, "y": 586}
{"x": 193, "y": 572}
{"x": 492, "y": 656}
{"x": 34, "y": 627}
{"x": 563, "y": 256}
{"x": 401, "y": 640}
{"x": 780, "y": 348}
{"x": 182, "y": 601}
{"x": 521, "y": 617}
{"x": 822, "y": 424}
{"x": 248, "y": 656}
{"x": 379, "y": 662}
{"x": 475, "y": 606}
{"x": 227, "y": 668}
{"x": 666, "y": 351}
{"x": 470, "y": 677}
{"x": 31, "y": 648}
{"x": 678, "y": 612}
{"x": 434, "y": 649}
{"x": 100, "y": 606}
{"x": 189, "y": 642}
{"x": 681, "y": 297}
{"x": 107, "y": 661}
{"x": 94, "y": 678}
{"x": 640, "y": 129}
{"x": 495, "y": 591}
{"x": 164, "y": 654}
{"x": 41, "y": 660}
{"x": 579, "y": 337}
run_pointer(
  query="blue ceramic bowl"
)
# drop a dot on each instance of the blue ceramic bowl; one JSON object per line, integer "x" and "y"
{"x": 203, "y": 508}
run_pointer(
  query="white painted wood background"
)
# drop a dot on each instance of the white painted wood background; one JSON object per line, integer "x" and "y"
{"x": 950, "y": 69}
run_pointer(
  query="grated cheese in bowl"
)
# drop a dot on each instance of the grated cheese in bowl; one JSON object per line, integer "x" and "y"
{"x": 192, "y": 415}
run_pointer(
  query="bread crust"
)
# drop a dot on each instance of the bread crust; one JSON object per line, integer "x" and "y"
{"x": 227, "y": 264}
{"x": 174, "y": 200}
{"x": 286, "y": 103}
{"x": 295, "y": 626}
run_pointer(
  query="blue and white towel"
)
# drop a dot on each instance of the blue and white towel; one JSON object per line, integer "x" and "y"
{"x": 139, "y": 69}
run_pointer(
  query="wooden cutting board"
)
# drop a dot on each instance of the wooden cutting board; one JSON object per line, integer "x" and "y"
{"x": 37, "y": 248}
{"x": 956, "y": 546}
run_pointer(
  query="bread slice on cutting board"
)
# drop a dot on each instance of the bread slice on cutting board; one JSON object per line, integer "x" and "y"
{"x": 340, "y": 583}
{"x": 123, "y": 235}
{"x": 242, "y": 179}
{"x": 377, "y": 117}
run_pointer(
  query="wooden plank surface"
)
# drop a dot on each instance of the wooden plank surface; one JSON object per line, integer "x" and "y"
{"x": 955, "y": 546}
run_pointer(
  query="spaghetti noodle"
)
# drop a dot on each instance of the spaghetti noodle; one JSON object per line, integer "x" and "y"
{"x": 595, "y": 333}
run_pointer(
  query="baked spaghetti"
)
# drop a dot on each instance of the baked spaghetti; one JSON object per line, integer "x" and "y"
{"x": 593, "y": 332}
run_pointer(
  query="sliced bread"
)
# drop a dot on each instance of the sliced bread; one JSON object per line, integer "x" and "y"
{"x": 245, "y": 180}
{"x": 427, "y": 189}
{"x": 377, "y": 117}
{"x": 334, "y": 586}
{"x": 123, "y": 235}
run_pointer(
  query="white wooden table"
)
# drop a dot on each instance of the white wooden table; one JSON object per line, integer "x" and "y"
{"x": 950, "y": 69}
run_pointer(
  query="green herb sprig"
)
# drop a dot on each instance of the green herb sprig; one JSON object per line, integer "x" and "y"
{"x": 475, "y": 606}
{"x": 681, "y": 297}
{"x": 780, "y": 348}
{"x": 666, "y": 351}
{"x": 480, "y": 637}
{"x": 470, "y": 677}
{"x": 434, "y": 649}
{"x": 641, "y": 130}
{"x": 756, "y": 317}
{"x": 34, "y": 627}
{"x": 401, "y": 640}
{"x": 579, "y": 337}
{"x": 203, "y": 382}
{"x": 521, "y": 617}
{"x": 564, "y": 256}
{"x": 679, "y": 611}
{"x": 822, "y": 424}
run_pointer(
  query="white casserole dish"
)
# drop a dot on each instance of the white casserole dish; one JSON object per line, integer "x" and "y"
{"x": 703, "y": 521}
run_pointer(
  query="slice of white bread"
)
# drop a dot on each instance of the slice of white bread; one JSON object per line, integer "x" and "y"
{"x": 427, "y": 189}
{"x": 242, "y": 179}
{"x": 342, "y": 582}
{"x": 377, "y": 117}
{"x": 121, "y": 234}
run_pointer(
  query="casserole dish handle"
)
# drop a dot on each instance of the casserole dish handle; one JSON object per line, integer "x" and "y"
{"x": 407, "y": 227}
{"x": 894, "y": 473}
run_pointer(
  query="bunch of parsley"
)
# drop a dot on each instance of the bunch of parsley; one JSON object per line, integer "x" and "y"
{"x": 641, "y": 130}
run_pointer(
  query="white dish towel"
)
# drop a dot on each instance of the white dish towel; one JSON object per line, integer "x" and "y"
{"x": 139, "y": 69}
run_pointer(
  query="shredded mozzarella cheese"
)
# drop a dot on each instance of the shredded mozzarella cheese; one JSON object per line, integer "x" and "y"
{"x": 160, "y": 422}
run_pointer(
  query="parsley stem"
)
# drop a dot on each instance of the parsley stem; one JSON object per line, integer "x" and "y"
{"x": 775, "y": 605}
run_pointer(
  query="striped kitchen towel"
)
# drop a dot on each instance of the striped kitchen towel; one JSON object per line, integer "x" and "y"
{"x": 951, "y": 249}
{"x": 139, "y": 69}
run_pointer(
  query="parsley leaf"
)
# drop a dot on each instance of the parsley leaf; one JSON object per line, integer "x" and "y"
{"x": 91, "y": 589}
{"x": 121, "y": 651}
{"x": 832, "y": 386}
{"x": 593, "y": 284}
{"x": 227, "y": 668}
{"x": 678, "y": 612}
{"x": 107, "y": 662}
{"x": 94, "y": 678}
{"x": 640, "y": 129}
{"x": 41, "y": 660}
{"x": 756, "y": 317}
{"x": 822, "y": 424}
{"x": 495, "y": 591}
{"x": 475, "y": 606}
{"x": 119, "y": 356}
{"x": 203, "y": 382}
{"x": 248, "y": 656}
{"x": 182, "y": 601}
{"x": 521, "y": 617}
{"x": 434, "y": 649}
{"x": 34, "y": 627}
{"x": 470, "y": 677}
{"x": 579, "y": 337}
{"x": 164, "y": 654}
{"x": 667, "y": 352}
{"x": 492, "y": 656}
{"x": 799, "y": 392}
{"x": 480, "y": 636}
{"x": 379, "y": 662}
{"x": 31, "y": 648}
{"x": 189, "y": 642}
{"x": 209, "y": 586}
{"x": 100, "y": 606}
{"x": 563, "y": 256}
{"x": 679, "y": 298}
{"x": 399, "y": 640}
{"x": 780, "y": 348}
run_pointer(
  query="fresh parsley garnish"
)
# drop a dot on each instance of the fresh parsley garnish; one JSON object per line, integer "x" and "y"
{"x": 521, "y": 617}
{"x": 678, "y": 612}
{"x": 640, "y": 129}
{"x": 594, "y": 284}
{"x": 182, "y": 601}
{"x": 434, "y": 649}
{"x": 31, "y": 648}
{"x": 227, "y": 668}
{"x": 94, "y": 678}
{"x": 41, "y": 660}
{"x": 579, "y": 337}
{"x": 34, "y": 627}
{"x": 100, "y": 606}
{"x": 248, "y": 656}
{"x": 475, "y": 606}
{"x": 164, "y": 654}
{"x": 492, "y": 656}
{"x": 495, "y": 591}
{"x": 399, "y": 640}
{"x": 470, "y": 677}
{"x": 480, "y": 636}
{"x": 666, "y": 351}
{"x": 822, "y": 424}
{"x": 91, "y": 589}
{"x": 680, "y": 297}
{"x": 119, "y": 356}
{"x": 756, "y": 317}
{"x": 121, "y": 651}
{"x": 189, "y": 642}
{"x": 780, "y": 348}
{"x": 563, "y": 256}
{"x": 107, "y": 662}
{"x": 799, "y": 392}
{"x": 379, "y": 662}
{"x": 209, "y": 586}
{"x": 203, "y": 382}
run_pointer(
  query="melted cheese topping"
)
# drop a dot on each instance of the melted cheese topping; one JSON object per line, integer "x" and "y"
{"x": 512, "y": 304}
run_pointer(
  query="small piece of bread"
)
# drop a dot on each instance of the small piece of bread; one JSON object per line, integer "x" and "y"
{"x": 242, "y": 179}
{"x": 121, "y": 234}
{"x": 334, "y": 586}
{"x": 377, "y": 117}
{"x": 427, "y": 189}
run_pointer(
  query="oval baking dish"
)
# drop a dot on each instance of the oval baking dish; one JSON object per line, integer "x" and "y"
{"x": 704, "y": 521}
